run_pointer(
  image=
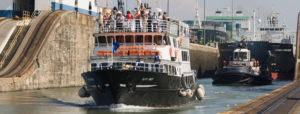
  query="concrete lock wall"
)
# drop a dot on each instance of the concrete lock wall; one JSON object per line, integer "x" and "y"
{"x": 204, "y": 59}
{"x": 63, "y": 58}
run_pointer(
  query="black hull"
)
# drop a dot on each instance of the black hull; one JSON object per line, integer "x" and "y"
{"x": 241, "y": 78}
{"x": 276, "y": 57}
{"x": 138, "y": 88}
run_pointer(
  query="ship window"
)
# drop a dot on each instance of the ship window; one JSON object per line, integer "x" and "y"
{"x": 175, "y": 43}
{"x": 104, "y": 65}
{"x": 94, "y": 66}
{"x": 129, "y": 39}
{"x": 158, "y": 40}
{"x": 148, "y": 39}
{"x": 139, "y": 39}
{"x": 166, "y": 41}
{"x": 184, "y": 56}
{"x": 101, "y": 39}
{"x": 109, "y": 39}
{"x": 120, "y": 39}
{"x": 170, "y": 69}
{"x": 174, "y": 70}
{"x": 166, "y": 68}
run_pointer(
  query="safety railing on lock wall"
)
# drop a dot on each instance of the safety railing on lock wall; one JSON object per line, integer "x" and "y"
{"x": 135, "y": 25}
{"x": 26, "y": 16}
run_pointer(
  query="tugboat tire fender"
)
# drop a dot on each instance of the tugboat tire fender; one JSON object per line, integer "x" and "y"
{"x": 190, "y": 93}
{"x": 200, "y": 92}
{"x": 83, "y": 93}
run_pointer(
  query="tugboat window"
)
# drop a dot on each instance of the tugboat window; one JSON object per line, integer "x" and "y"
{"x": 240, "y": 56}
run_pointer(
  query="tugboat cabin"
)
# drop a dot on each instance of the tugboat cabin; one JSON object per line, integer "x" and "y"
{"x": 241, "y": 55}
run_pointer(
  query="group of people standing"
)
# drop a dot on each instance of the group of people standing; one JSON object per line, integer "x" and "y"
{"x": 144, "y": 21}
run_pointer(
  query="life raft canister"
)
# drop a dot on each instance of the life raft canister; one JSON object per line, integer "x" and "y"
{"x": 170, "y": 50}
{"x": 180, "y": 41}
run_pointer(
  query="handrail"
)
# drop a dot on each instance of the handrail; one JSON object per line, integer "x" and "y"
{"x": 134, "y": 25}
{"x": 13, "y": 42}
{"x": 132, "y": 66}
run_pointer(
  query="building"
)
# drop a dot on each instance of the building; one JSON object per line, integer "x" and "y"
{"x": 11, "y": 8}
{"x": 236, "y": 24}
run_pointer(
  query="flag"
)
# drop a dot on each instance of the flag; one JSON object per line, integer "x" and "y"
{"x": 115, "y": 47}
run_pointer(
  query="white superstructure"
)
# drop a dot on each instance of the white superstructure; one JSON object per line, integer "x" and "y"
{"x": 141, "y": 43}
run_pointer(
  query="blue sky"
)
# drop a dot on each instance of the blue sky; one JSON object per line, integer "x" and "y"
{"x": 185, "y": 9}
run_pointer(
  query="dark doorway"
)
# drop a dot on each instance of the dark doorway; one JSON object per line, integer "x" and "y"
{"x": 23, "y": 5}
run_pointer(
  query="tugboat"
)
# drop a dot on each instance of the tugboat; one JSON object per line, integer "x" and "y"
{"x": 142, "y": 63}
{"x": 272, "y": 45}
{"x": 242, "y": 70}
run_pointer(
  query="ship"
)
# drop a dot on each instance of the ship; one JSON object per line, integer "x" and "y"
{"x": 242, "y": 69}
{"x": 272, "y": 46}
{"x": 282, "y": 59}
{"x": 142, "y": 63}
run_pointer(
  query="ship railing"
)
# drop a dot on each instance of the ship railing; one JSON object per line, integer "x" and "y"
{"x": 130, "y": 66}
{"x": 128, "y": 44}
{"x": 134, "y": 25}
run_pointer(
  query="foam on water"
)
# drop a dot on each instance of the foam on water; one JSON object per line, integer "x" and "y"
{"x": 130, "y": 108}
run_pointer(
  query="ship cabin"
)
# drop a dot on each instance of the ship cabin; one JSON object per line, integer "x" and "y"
{"x": 150, "y": 46}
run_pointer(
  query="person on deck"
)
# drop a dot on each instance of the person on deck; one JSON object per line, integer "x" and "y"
{"x": 154, "y": 21}
{"x": 137, "y": 17}
{"x": 157, "y": 61}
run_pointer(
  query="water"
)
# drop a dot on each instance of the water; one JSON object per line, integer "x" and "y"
{"x": 66, "y": 101}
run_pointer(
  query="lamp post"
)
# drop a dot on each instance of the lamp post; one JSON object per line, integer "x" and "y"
{"x": 204, "y": 22}
{"x": 232, "y": 19}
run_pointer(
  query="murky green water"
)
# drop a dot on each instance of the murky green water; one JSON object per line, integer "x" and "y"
{"x": 66, "y": 101}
